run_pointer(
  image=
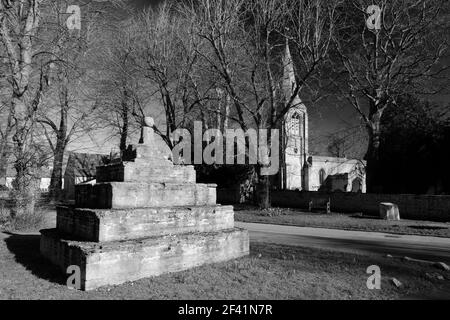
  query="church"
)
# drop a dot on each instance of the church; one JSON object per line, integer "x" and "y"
{"x": 300, "y": 170}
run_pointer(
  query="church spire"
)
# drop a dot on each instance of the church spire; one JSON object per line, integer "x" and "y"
{"x": 289, "y": 82}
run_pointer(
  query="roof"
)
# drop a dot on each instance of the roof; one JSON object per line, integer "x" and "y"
{"x": 336, "y": 159}
{"x": 289, "y": 82}
{"x": 85, "y": 164}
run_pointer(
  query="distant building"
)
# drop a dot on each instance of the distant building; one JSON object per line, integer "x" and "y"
{"x": 81, "y": 168}
{"x": 299, "y": 169}
{"x": 336, "y": 174}
{"x": 44, "y": 176}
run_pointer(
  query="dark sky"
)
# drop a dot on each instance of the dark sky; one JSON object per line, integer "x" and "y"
{"x": 325, "y": 118}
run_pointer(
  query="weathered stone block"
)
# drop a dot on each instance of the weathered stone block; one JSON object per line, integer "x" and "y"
{"x": 113, "y": 263}
{"x": 137, "y": 172}
{"x": 122, "y": 224}
{"x": 146, "y": 217}
{"x": 121, "y": 195}
{"x": 389, "y": 211}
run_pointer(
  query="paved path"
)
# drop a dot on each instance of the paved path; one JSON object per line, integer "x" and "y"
{"x": 418, "y": 247}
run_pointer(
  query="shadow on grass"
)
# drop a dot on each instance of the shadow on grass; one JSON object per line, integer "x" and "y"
{"x": 25, "y": 248}
{"x": 363, "y": 216}
{"x": 423, "y": 227}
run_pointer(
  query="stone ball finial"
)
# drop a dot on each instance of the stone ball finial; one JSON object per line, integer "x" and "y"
{"x": 149, "y": 122}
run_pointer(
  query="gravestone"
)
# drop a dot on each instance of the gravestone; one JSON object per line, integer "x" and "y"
{"x": 389, "y": 211}
{"x": 144, "y": 217}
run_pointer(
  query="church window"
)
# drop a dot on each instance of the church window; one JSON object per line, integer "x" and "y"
{"x": 295, "y": 123}
{"x": 293, "y": 141}
{"x": 322, "y": 175}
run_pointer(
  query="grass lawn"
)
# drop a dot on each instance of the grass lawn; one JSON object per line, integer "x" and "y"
{"x": 270, "y": 272}
{"x": 297, "y": 217}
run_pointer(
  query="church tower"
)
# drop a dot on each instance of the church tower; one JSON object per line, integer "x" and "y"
{"x": 294, "y": 132}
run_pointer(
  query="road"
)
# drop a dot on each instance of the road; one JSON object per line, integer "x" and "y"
{"x": 416, "y": 247}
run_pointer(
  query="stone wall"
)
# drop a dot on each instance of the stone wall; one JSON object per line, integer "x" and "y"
{"x": 419, "y": 207}
{"x": 334, "y": 166}
{"x": 228, "y": 196}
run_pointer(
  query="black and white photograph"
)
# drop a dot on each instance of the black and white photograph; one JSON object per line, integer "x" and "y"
{"x": 225, "y": 155}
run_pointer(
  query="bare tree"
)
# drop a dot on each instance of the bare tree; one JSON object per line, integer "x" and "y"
{"x": 19, "y": 22}
{"x": 166, "y": 58}
{"x": 37, "y": 48}
{"x": 6, "y": 125}
{"x": 348, "y": 142}
{"x": 69, "y": 107}
{"x": 119, "y": 89}
{"x": 402, "y": 55}
{"x": 6, "y": 129}
{"x": 243, "y": 47}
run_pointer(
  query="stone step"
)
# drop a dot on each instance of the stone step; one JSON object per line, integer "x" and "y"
{"x": 122, "y": 195}
{"x": 113, "y": 263}
{"x": 144, "y": 172}
{"x": 99, "y": 225}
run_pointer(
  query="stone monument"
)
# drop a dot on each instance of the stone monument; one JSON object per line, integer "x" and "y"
{"x": 144, "y": 217}
{"x": 389, "y": 211}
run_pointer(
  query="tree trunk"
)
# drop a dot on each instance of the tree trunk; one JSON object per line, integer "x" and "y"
{"x": 61, "y": 144}
{"x": 20, "y": 56}
{"x": 373, "y": 182}
{"x": 5, "y": 150}
{"x": 124, "y": 132}
{"x": 227, "y": 112}
{"x": 24, "y": 191}
{"x": 263, "y": 190}
{"x": 3, "y": 161}
{"x": 125, "y": 121}
{"x": 56, "y": 178}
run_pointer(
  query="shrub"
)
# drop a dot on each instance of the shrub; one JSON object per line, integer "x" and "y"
{"x": 5, "y": 216}
{"x": 28, "y": 221}
{"x": 22, "y": 222}
{"x": 272, "y": 212}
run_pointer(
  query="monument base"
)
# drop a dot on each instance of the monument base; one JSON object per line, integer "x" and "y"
{"x": 101, "y": 225}
{"x": 111, "y": 263}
